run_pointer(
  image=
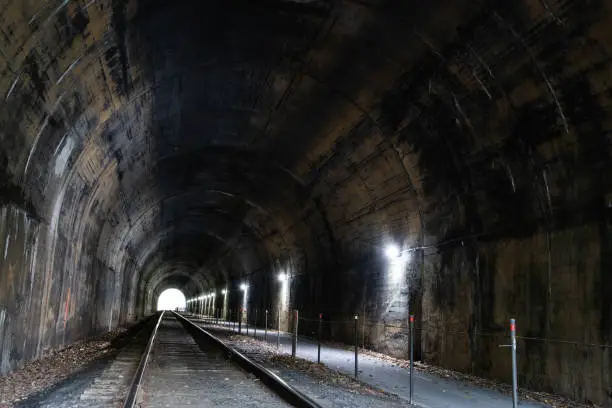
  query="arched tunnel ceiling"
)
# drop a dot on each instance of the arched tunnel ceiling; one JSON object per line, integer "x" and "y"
{"x": 156, "y": 133}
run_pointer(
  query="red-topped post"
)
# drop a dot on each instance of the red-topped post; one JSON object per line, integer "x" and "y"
{"x": 319, "y": 339}
{"x": 514, "y": 368}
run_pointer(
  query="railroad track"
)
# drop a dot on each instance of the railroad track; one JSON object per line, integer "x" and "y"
{"x": 183, "y": 365}
{"x": 111, "y": 386}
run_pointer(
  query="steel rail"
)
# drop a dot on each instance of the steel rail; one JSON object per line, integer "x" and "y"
{"x": 130, "y": 400}
{"x": 273, "y": 381}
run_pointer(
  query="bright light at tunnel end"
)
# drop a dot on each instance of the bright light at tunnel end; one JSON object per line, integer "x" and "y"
{"x": 171, "y": 299}
{"x": 282, "y": 277}
{"x": 244, "y": 286}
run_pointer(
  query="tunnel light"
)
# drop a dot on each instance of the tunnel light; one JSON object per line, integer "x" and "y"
{"x": 392, "y": 251}
{"x": 282, "y": 277}
{"x": 224, "y": 291}
{"x": 244, "y": 287}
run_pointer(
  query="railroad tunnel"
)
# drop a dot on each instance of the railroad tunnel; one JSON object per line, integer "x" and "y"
{"x": 202, "y": 145}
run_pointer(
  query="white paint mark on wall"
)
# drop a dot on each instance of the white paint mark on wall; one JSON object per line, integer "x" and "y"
{"x": 6, "y": 343}
{"x": 511, "y": 176}
{"x": 3, "y": 353}
{"x": 61, "y": 159}
{"x": 6, "y": 244}
{"x": 547, "y": 190}
{"x": 40, "y": 131}
{"x": 33, "y": 265}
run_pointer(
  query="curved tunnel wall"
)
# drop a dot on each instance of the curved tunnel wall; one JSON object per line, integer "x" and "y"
{"x": 145, "y": 145}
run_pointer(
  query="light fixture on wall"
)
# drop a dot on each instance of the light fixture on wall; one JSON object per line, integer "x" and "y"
{"x": 224, "y": 308}
{"x": 283, "y": 278}
{"x": 244, "y": 287}
{"x": 398, "y": 259}
{"x": 392, "y": 251}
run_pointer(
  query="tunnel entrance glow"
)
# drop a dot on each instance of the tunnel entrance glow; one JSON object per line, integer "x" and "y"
{"x": 171, "y": 299}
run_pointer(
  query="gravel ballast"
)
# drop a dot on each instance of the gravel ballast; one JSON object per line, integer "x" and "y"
{"x": 327, "y": 386}
{"x": 467, "y": 385}
{"x": 39, "y": 375}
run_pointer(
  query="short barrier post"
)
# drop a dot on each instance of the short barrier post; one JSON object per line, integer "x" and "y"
{"x": 240, "y": 321}
{"x": 295, "y": 332}
{"x": 514, "y": 368}
{"x": 319, "y": 339}
{"x": 411, "y": 356}
{"x": 246, "y": 320}
{"x": 255, "y": 325}
{"x": 278, "y": 331}
{"x": 266, "y": 326}
{"x": 512, "y": 344}
{"x": 356, "y": 346}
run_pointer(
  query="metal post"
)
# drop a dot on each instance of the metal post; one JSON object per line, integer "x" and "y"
{"x": 411, "y": 356}
{"x": 240, "y": 321}
{"x": 278, "y": 331}
{"x": 266, "y": 327}
{"x": 319, "y": 339}
{"x": 512, "y": 345}
{"x": 295, "y": 332}
{"x": 363, "y": 324}
{"x": 514, "y": 369}
{"x": 356, "y": 347}
{"x": 255, "y": 325}
{"x": 246, "y": 320}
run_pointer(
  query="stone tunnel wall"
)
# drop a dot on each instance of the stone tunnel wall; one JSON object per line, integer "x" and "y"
{"x": 464, "y": 287}
{"x": 481, "y": 142}
{"x": 551, "y": 283}
{"x": 45, "y": 303}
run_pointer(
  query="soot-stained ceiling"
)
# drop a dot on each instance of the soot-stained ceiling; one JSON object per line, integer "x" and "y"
{"x": 192, "y": 143}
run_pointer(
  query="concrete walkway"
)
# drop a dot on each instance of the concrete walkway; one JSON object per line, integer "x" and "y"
{"x": 429, "y": 391}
